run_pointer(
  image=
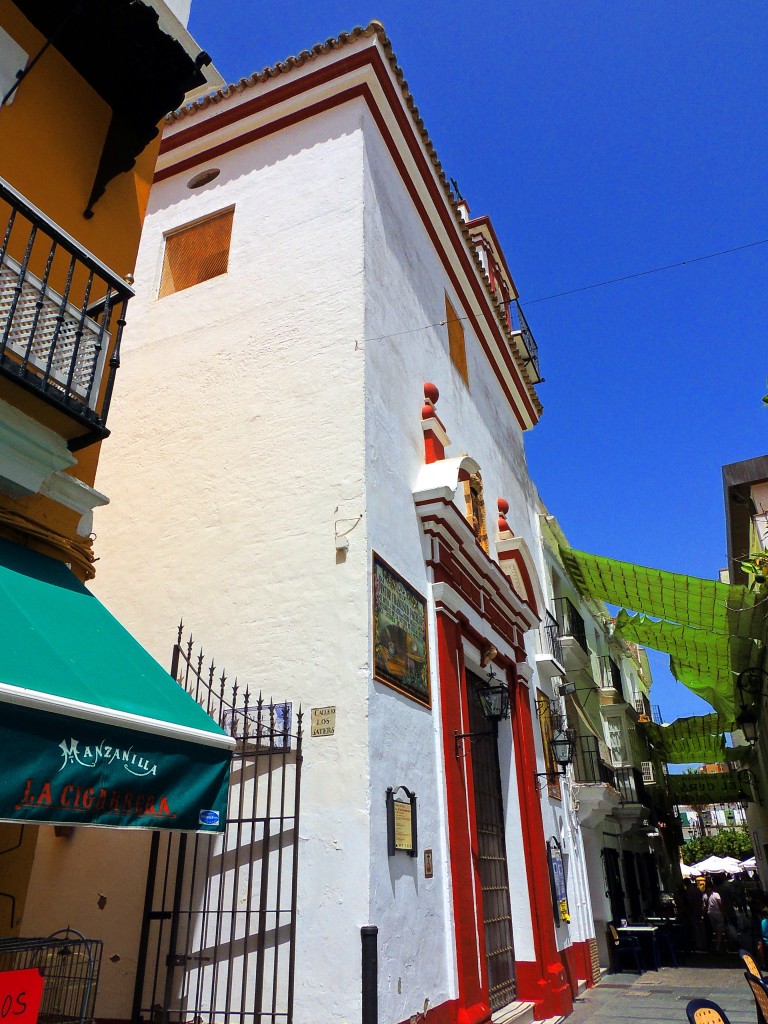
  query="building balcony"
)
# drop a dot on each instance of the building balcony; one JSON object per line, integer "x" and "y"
{"x": 549, "y": 658}
{"x": 521, "y": 332}
{"x": 597, "y": 797}
{"x": 573, "y": 637}
{"x": 590, "y": 761}
{"x": 630, "y": 785}
{"x": 62, "y": 313}
{"x": 610, "y": 677}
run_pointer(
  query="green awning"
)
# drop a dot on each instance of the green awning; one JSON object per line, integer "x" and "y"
{"x": 709, "y": 629}
{"x": 94, "y": 731}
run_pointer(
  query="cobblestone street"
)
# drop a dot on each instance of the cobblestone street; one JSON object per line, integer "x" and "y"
{"x": 658, "y": 997}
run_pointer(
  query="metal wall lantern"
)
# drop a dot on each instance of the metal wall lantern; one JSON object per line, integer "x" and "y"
{"x": 494, "y": 704}
{"x": 751, "y": 687}
{"x": 494, "y": 698}
{"x": 562, "y": 746}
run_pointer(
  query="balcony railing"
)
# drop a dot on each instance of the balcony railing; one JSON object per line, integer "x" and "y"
{"x": 550, "y": 638}
{"x": 610, "y": 675}
{"x": 62, "y": 313}
{"x": 629, "y": 783}
{"x": 519, "y": 325}
{"x": 588, "y": 766}
{"x": 570, "y": 622}
{"x": 643, "y": 707}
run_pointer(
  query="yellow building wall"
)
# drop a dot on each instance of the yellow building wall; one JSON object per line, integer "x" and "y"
{"x": 51, "y": 140}
{"x": 58, "y": 125}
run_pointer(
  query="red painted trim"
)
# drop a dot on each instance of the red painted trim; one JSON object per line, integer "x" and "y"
{"x": 434, "y": 449}
{"x": 472, "y": 1005}
{"x": 353, "y": 62}
{"x": 582, "y": 954}
{"x": 485, "y": 221}
{"x": 544, "y": 981}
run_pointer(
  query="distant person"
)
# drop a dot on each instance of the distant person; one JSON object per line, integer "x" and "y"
{"x": 715, "y": 916}
{"x": 694, "y": 915}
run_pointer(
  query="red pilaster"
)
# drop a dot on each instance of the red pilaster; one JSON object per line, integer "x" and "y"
{"x": 472, "y": 1007}
{"x": 543, "y": 981}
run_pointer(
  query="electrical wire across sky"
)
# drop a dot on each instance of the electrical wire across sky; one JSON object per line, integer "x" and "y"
{"x": 597, "y": 284}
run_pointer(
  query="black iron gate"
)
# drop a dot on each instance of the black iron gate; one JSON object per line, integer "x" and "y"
{"x": 219, "y": 930}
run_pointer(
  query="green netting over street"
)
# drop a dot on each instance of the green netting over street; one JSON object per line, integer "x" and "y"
{"x": 708, "y": 628}
{"x": 689, "y": 740}
{"x": 704, "y": 661}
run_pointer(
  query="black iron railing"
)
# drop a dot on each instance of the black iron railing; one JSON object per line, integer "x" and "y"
{"x": 629, "y": 783}
{"x": 550, "y": 637}
{"x": 610, "y": 675}
{"x": 588, "y": 766}
{"x": 519, "y": 325}
{"x": 570, "y": 622}
{"x": 62, "y": 314}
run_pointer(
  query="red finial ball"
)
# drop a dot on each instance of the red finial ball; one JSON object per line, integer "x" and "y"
{"x": 503, "y": 506}
{"x": 431, "y": 393}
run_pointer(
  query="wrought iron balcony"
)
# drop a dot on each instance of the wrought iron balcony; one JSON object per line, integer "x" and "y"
{"x": 643, "y": 707}
{"x": 588, "y": 765}
{"x": 62, "y": 314}
{"x": 610, "y": 675}
{"x": 629, "y": 783}
{"x": 550, "y": 637}
{"x": 570, "y": 622}
{"x": 519, "y": 325}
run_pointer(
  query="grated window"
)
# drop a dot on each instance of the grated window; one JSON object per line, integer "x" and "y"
{"x": 196, "y": 253}
{"x": 456, "y": 345}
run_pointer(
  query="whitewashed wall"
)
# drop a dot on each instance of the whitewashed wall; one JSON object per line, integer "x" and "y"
{"x": 560, "y": 817}
{"x": 237, "y": 427}
{"x": 405, "y": 291}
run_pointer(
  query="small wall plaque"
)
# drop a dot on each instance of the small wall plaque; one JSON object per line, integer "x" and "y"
{"x": 323, "y": 721}
{"x": 402, "y": 831}
{"x": 428, "y": 865}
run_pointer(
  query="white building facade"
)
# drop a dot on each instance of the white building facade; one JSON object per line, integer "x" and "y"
{"x": 322, "y": 405}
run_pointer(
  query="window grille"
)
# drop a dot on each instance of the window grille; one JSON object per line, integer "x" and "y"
{"x": 456, "y": 344}
{"x": 196, "y": 253}
{"x": 647, "y": 770}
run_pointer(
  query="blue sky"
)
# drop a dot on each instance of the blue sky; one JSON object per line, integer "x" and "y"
{"x": 603, "y": 139}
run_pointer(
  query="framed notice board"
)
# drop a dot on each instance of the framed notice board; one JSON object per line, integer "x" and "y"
{"x": 557, "y": 882}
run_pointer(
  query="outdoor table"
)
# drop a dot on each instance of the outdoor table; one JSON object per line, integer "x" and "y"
{"x": 646, "y": 933}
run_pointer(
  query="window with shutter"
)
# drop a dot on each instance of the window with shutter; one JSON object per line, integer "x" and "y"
{"x": 196, "y": 253}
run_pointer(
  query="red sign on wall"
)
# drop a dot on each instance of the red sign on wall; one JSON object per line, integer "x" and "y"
{"x": 20, "y": 995}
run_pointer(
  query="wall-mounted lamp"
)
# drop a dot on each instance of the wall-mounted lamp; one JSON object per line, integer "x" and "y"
{"x": 494, "y": 704}
{"x": 566, "y": 687}
{"x": 562, "y": 746}
{"x": 751, "y": 687}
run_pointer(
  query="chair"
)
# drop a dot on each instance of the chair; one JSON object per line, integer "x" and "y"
{"x": 666, "y": 943}
{"x": 704, "y": 1011}
{"x": 626, "y": 945}
{"x": 749, "y": 963}
{"x": 760, "y": 992}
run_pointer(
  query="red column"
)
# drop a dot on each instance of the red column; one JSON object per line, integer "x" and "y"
{"x": 543, "y": 981}
{"x": 470, "y": 943}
